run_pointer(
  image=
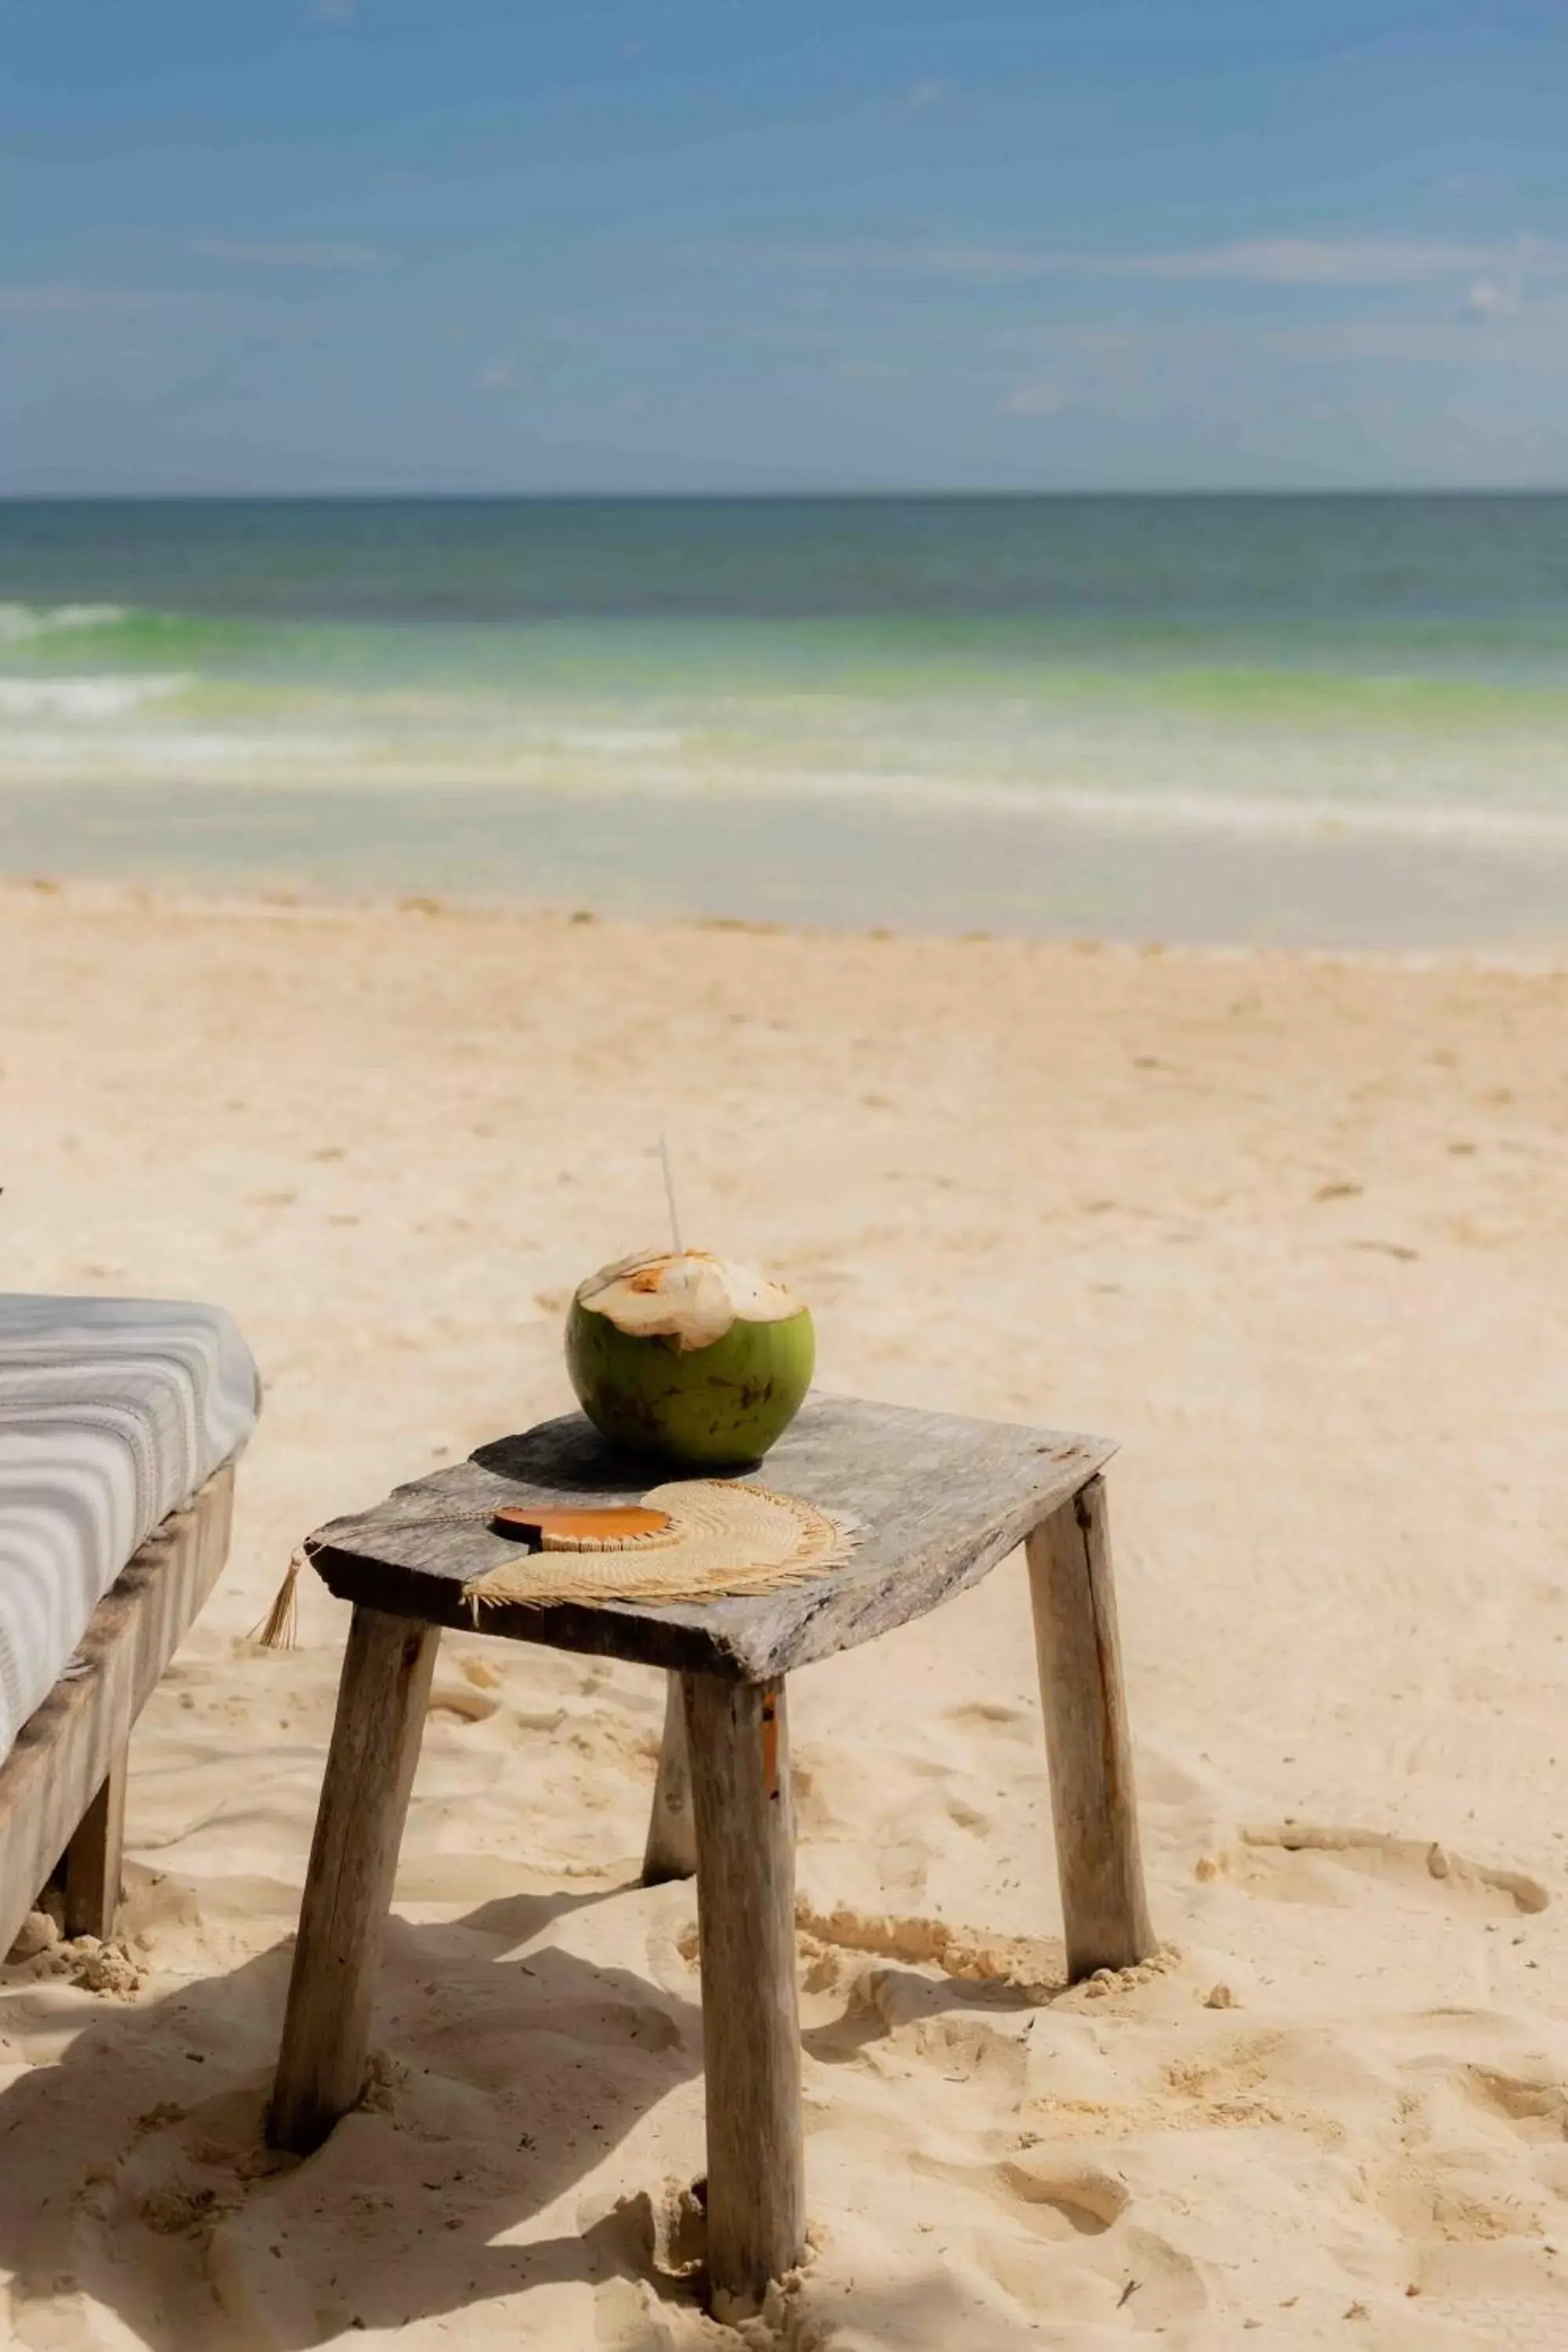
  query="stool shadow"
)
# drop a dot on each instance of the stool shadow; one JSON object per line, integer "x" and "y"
{"x": 133, "y": 2167}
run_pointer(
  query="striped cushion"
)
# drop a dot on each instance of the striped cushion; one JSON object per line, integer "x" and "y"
{"x": 113, "y": 1413}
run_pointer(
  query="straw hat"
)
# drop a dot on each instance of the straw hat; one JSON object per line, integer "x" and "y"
{"x": 714, "y": 1536}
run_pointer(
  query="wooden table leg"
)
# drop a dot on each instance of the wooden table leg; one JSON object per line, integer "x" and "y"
{"x": 93, "y": 1858}
{"x": 1104, "y": 1909}
{"x": 671, "y": 1849}
{"x": 382, "y": 1697}
{"x": 738, "y": 1738}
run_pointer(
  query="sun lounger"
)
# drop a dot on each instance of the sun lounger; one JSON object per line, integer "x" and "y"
{"x": 120, "y": 1420}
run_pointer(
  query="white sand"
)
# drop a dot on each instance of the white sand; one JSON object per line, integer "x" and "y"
{"x": 1293, "y": 1232}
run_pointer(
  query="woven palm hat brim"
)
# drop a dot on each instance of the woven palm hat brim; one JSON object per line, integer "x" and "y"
{"x": 722, "y": 1538}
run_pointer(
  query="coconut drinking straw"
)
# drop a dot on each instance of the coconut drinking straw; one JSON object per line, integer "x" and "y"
{"x": 278, "y": 1629}
{"x": 669, "y": 1191}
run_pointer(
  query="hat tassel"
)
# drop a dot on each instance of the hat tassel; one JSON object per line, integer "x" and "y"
{"x": 279, "y": 1629}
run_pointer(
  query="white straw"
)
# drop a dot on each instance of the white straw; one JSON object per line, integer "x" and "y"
{"x": 669, "y": 1190}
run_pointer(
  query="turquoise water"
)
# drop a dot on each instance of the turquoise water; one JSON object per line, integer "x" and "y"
{"x": 810, "y": 707}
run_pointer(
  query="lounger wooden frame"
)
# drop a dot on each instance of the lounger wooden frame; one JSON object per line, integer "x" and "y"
{"x": 62, "y": 1787}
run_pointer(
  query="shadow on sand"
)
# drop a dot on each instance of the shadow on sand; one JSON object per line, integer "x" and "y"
{"x": 134, "y": 2175}
{"x": 133, "y": 2169}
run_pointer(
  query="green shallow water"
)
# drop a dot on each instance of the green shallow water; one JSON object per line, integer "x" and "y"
{"x": 1180, "y": 671}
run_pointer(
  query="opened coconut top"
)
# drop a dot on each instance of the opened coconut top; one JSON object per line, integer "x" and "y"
{"x": 688, "y": 1296}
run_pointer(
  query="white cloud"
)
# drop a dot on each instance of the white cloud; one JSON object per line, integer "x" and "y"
{"x": 1492, "y": 298}
{"x": 1032, "y": 400}
{"x": 530, "y": 364}
{"x": 1345, "y": 262}
{"x": 261, "y": 255}
{"x": 81, "y": 301}
{"x": 1529, "y": 341}
{"x": 1368, "y": 261}
{"x": 1104, "y": 342}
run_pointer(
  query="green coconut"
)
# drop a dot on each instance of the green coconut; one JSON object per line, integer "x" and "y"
{"x": 689, "y": 1358}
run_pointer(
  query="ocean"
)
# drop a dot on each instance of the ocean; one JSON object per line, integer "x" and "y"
{"x": 1332, "y": 720}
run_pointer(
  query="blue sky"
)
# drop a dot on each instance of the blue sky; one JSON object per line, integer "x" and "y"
{"x": 385, "y": 245}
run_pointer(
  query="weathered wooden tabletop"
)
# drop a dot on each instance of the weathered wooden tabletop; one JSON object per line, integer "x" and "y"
{"x": 937, "y": 1502}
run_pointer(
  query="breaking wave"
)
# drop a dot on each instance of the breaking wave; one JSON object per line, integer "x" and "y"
{"x": 87, "y": 699}
{"x": 20, "y": 624}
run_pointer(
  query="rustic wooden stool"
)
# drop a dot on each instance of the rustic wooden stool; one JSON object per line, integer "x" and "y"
{"x": 938, "y": 1503}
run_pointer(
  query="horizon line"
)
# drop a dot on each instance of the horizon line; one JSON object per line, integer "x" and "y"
{"x": 948, "y": 493}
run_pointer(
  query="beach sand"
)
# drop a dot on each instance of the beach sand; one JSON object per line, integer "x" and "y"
{"x": 1291, "y": 1230}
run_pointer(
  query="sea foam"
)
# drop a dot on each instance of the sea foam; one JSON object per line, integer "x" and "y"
{"x": 19, "y": 624}
{"x": 87, "y": 699}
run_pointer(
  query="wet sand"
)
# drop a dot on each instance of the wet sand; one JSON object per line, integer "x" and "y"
{"x": 1199, "y": 873}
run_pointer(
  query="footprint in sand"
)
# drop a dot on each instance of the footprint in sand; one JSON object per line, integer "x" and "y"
{"x": 1078, "y": 2215}
{"x": 1477, "y": 2184}
{"x": 462, "y": 1702}
{"x": 991, "y": 1715}
{"x": 1297, "y": 1863}
{"x": 1065, "y": 2198}
{"x": 1054, "y": 2195}
{"x": 1536, "y": 2106}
